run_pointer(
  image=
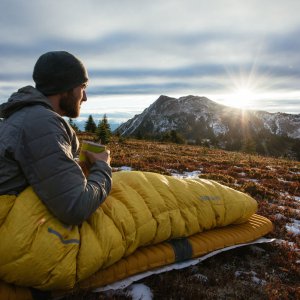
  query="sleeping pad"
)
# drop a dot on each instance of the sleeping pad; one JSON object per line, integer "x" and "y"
{"x": 143, "y": 209}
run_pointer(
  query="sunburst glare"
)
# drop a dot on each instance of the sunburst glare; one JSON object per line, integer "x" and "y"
{"x": 243, "y": 97}
{"x": 245, "y": 90}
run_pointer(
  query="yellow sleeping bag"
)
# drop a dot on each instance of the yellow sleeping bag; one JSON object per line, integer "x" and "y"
{"x": 37, "y": 250}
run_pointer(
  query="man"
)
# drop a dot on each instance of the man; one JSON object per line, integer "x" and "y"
{"x": 38, "y": 147}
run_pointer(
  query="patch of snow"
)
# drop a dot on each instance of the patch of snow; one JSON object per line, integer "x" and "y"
{"x": 219, "y": 128}
{"x": 286, "y": 194}
{"x": 123, "y": 168}
{"x": 253, "y": 274}
{"x": 290, "y": 244}
{"x": 134, "y": 124}
{"x": 294, "y": 227}
{"x": 242, "y": 174}
{"x": 201, "y": 277}
{"x": 279, "y": 217}
{"x": 282, "y": 180}
{"x": 296, "y": 198}
{"x": 270, "y": 168}
{"x": 193, "y": 174}
{"x": 253, "y": 180}
{"x": 258, "y": 280}
{"x": 139, "y": 292}
{"x": 281, "y": 207}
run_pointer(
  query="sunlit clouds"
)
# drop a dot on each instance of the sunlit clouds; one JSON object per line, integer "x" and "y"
{"x": 243, "y": 54}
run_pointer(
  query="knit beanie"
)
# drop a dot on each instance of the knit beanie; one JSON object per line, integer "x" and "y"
{"x": 57, "y": 72}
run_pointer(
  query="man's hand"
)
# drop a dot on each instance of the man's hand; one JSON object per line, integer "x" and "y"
{"x": 91, "y": 158}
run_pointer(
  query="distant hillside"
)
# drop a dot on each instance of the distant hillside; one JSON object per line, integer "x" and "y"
{"x": 200, "y": 120}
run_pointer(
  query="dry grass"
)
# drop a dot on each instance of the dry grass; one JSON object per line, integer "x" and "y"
{"x": 267, "y": 271}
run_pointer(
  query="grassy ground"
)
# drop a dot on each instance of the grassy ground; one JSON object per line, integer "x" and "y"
{"x": 265, "y": 271}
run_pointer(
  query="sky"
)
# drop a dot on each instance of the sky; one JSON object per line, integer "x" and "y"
{"x": 239, "y": 53}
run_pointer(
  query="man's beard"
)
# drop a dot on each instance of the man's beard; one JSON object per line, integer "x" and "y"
{"x": 69, "y": 105}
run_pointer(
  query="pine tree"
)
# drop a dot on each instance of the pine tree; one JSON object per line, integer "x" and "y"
{"x": 90, "y": 125}
{"x": 103, "y": 130}
{"x": 73, "y": 125}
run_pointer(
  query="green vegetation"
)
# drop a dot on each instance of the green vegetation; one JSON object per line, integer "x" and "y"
{"x": 90, "y": 125}
{"x": 103, "y": 131}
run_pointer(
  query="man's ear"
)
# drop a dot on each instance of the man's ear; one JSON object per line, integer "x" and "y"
{"x": 55, "y": 100}
{"x": 61, "y": 95}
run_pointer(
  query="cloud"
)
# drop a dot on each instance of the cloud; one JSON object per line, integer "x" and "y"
{"x": 156, "y": 47}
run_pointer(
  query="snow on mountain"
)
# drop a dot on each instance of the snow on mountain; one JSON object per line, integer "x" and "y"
{"x": 190, "y": 114}
{"x": 281, "y": 123}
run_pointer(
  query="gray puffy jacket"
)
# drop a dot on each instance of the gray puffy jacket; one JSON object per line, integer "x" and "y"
{"x": 37, "y": 148}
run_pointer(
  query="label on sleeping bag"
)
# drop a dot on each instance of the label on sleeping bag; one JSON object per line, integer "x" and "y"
{"x": 209, "y": 198}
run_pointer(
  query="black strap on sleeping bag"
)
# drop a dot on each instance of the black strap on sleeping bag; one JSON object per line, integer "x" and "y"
{"x": 182, "y": 249}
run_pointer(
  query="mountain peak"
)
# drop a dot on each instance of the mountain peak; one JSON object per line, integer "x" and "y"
{"x": 199, "y": 118}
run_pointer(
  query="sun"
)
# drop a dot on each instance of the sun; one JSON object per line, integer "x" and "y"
{"x": 242, "y": 96}
{"x": 244, "y": 88}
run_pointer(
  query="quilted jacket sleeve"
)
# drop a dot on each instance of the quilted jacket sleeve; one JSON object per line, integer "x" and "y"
{"x": 45, "y": 155}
